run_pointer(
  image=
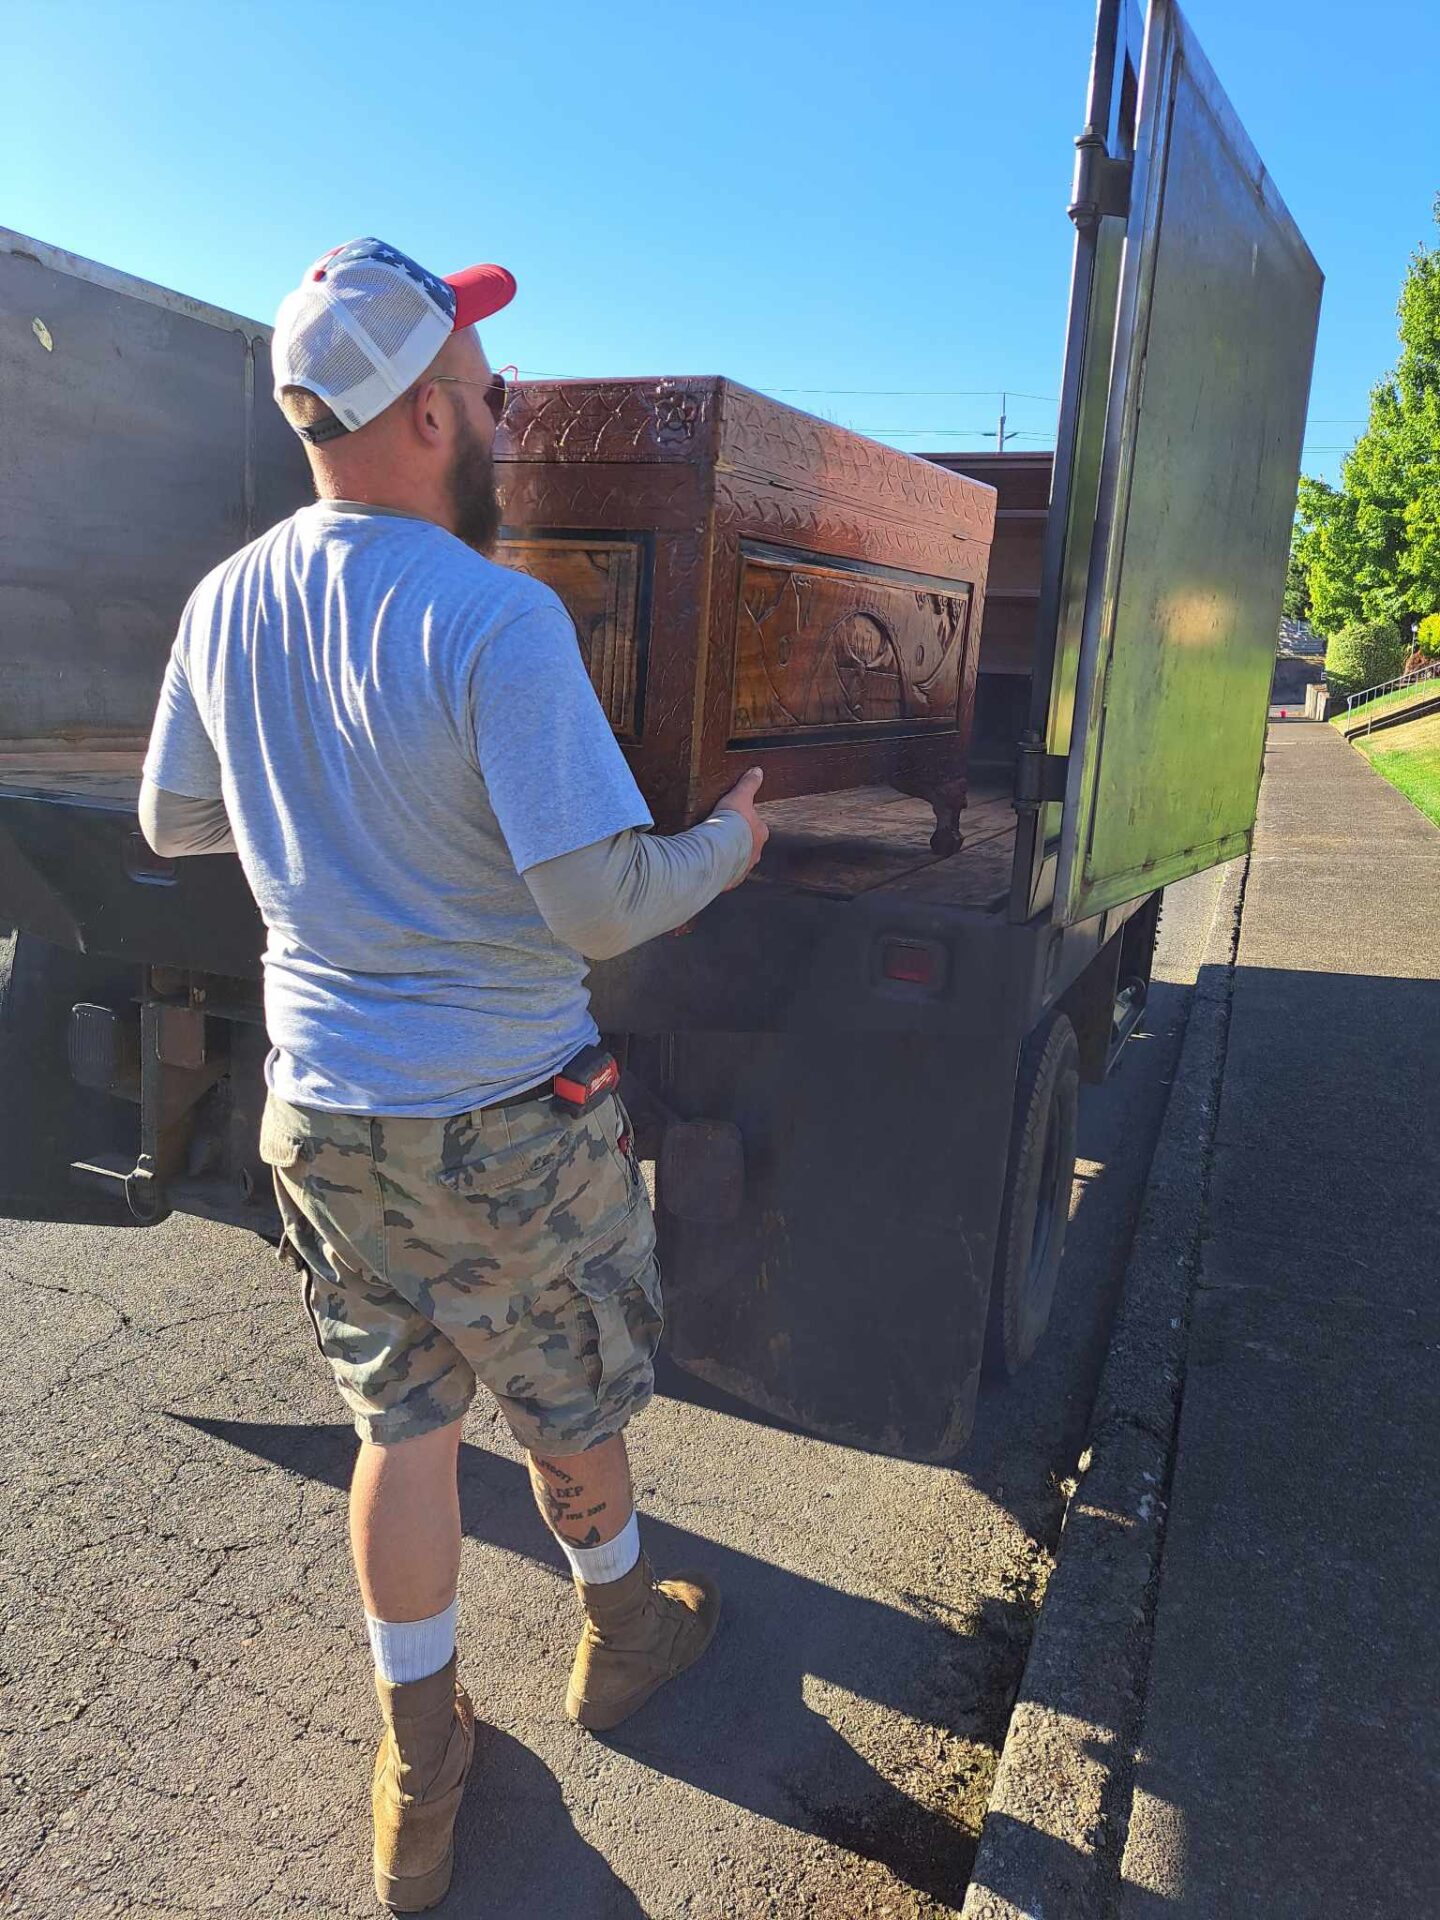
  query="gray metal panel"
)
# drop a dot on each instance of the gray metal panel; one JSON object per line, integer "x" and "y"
{"x": 1218, "y": 312}
{"x": 280, "y": 472}
{"x": 141, "y": 446}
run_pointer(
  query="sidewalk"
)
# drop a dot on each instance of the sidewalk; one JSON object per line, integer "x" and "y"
{"x": 1289, "y": 1763}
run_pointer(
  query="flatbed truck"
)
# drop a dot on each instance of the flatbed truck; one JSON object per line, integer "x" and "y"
{"x": 857, "y": 1078}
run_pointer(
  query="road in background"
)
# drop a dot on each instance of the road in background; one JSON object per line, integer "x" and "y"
{"x": 189, "y": 1725}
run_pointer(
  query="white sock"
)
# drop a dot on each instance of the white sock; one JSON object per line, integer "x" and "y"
{"x": 412, "y": 1649}
{"x": 598, "y": 1565}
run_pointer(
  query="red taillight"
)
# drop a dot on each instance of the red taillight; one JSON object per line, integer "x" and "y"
{"x": 915, "y": 965}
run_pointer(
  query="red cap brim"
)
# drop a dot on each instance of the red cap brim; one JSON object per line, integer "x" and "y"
{"x": 479, "y": 292}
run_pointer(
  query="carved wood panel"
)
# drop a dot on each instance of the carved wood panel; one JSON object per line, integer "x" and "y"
{"x": 832, "y": 647}
{"x": 601, "y": 581}
{"x": 825, "y": 523}
{"x": 609, "y": 421}
{"x": 760, "y": 437}
{"x": 798, "y": 590}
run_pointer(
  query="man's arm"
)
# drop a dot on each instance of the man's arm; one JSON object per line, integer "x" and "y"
{"x": 181, "y": 810}
{"x": 567, "y": 803}
{"x": 604, "y": 899}
{"x": 175, "y": 825}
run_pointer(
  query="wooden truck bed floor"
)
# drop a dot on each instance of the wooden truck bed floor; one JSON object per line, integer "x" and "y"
{"x": 837, "y": 844}
{"x": 99, "y": 774}
{"x": 870, "y": 838}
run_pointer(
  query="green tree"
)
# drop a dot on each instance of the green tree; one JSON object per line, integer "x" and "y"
{"x": 1369, "y": 550}
{"x": 1324, "y": 541}
{"x": 1297, "y": 589}
{"x": 1427, "y": 640}
{"x": 1363, "y": 655}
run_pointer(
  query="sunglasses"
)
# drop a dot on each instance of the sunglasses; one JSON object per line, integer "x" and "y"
{"x": 497, "y": 392}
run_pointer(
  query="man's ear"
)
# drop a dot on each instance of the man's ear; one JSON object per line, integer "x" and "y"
{"x": 427, "y": 420}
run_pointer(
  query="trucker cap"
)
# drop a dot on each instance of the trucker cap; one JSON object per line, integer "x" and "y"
{"x": 365, "y": 323}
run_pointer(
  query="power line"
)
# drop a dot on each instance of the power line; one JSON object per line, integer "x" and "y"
{"x": 945, "y": 393}
{"x": 923, "y": 393}
{"x": 986, "y": 433}
{"x": 868, "y": 393}
{"x": 973, "y": 393}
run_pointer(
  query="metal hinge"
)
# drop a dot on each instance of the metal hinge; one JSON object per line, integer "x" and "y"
{"x": 1102, "y": 185}
{"x": 1039, "y": 776}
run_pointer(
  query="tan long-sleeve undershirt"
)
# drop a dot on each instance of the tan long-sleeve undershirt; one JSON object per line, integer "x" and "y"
{"x": 601, "y": 900}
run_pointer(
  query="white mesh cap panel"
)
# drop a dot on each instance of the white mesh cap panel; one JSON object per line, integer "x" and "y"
{"x": 358, "y": 338}
{"x": 319, "y": 353}
{"x": 387, "y": 305}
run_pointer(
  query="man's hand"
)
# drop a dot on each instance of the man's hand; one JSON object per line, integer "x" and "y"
{"x": 741, "y": 800}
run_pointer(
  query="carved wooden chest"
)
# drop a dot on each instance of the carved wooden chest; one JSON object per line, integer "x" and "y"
{"x": 752, "y": 586}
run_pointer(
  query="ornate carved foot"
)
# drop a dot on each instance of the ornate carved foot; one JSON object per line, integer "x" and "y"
{"x": 947, "y": 837}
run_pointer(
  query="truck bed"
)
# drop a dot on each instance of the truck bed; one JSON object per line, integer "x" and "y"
{"x": 97, "y": 773}
{"x": 839, "y": 845}
{"x": 871, "y": 839}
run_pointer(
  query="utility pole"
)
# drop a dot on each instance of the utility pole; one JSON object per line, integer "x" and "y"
{"x": 1000, "y": 434}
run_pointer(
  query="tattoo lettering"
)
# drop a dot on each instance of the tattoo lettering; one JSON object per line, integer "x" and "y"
{"x": 562, "y": 1500}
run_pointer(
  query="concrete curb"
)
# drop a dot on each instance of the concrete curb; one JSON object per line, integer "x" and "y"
{"x": 1054, "y": 1831}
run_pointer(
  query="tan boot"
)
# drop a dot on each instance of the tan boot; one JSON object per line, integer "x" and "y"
{"x": 419, "y": 1777}
{"x": 638, "y": 1633}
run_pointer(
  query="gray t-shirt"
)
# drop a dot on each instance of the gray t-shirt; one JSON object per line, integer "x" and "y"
{"x": 399, "y": 729}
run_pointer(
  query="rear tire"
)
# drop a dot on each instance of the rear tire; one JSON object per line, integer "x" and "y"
{"x": 1037, "y": 1196}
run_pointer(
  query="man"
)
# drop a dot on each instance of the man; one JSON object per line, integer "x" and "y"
{"x": 399, "y": 739}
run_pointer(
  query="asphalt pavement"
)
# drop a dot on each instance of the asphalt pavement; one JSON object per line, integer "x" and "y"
{"x": 187, "y": 1721}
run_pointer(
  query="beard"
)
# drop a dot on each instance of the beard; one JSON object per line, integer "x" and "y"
{"x": 474, "y": 498}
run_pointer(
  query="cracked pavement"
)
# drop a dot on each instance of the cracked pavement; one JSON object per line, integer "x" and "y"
{"x": 186, "y": 1717}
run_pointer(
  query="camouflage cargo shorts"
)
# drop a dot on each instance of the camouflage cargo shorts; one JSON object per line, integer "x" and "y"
{"x": 515, "y": 1246}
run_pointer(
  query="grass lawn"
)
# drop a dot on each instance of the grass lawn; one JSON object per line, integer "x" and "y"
{"x": 1409, "y": 758}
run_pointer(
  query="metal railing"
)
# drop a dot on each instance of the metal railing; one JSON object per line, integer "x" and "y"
{"x": 1415, "y": 679}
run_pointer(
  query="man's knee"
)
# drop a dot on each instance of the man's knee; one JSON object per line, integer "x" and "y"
{"x": 412, "y": 1450}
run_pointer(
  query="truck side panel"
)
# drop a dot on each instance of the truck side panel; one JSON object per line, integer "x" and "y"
{"x": 850, "y": 1295}
{"x": 140, "y": 447}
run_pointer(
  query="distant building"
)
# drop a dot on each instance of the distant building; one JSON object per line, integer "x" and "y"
{"x": 1299, "y": 662}
{"x": 1298, "y": 640}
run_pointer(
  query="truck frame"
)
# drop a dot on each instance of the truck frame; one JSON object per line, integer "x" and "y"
{"x": 857, "y": 1077}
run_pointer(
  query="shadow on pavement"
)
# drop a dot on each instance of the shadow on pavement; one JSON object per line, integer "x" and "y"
{"x": 514, "y": 1825}
{"x": 1290, "y": 1755}
{"x": 1292, "y": 1666}
{"x": 740, "y": 1729}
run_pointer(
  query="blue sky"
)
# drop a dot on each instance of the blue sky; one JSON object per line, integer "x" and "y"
{"x": 861, "y": 206}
